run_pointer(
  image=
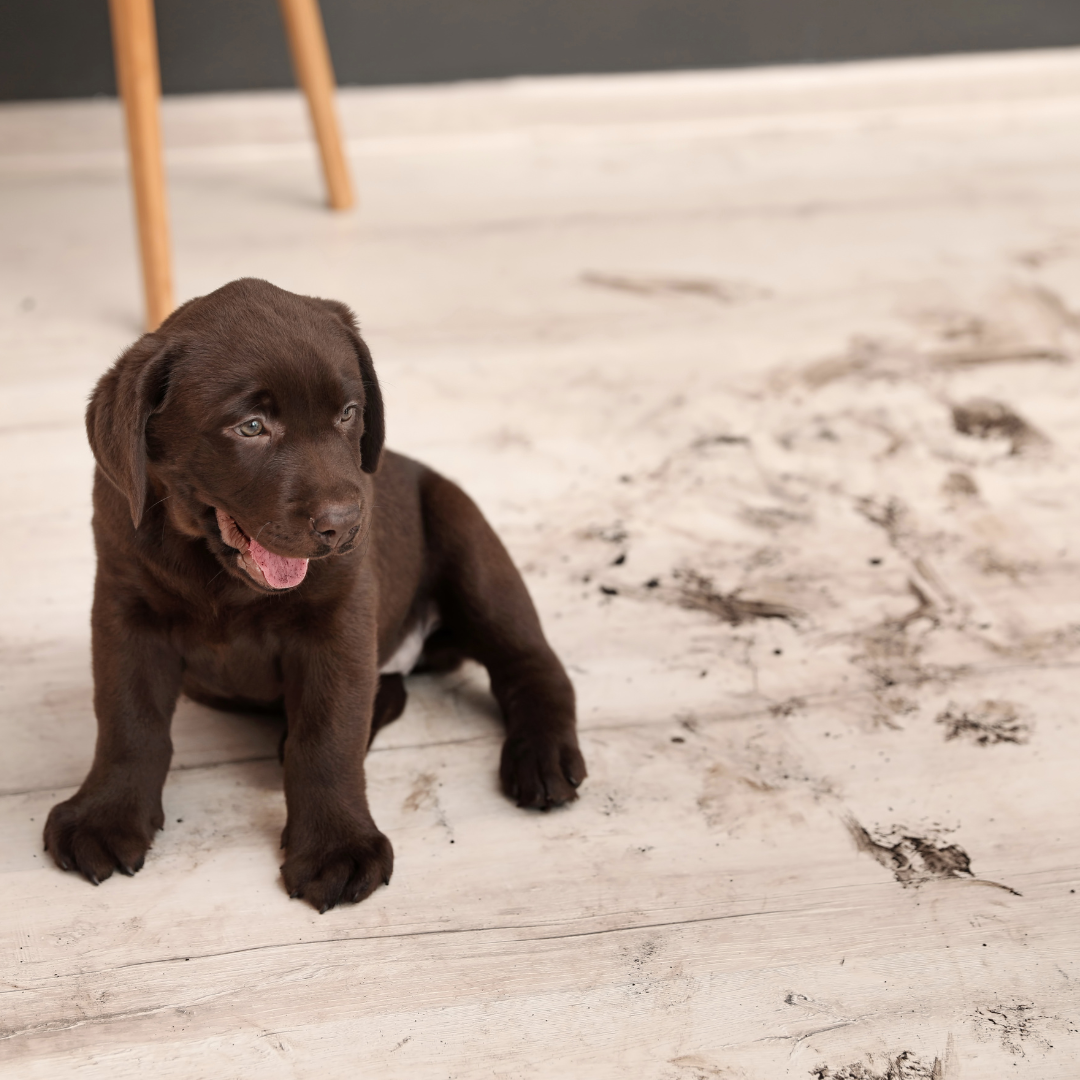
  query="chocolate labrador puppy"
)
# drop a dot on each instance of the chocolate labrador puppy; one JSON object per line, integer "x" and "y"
{"x": 257, "y": 548}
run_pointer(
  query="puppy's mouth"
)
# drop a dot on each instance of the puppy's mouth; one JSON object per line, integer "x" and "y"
{"x": 262, "y": 566}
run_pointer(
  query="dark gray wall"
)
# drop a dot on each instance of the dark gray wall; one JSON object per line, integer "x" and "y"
{"x": 61, "y": 48}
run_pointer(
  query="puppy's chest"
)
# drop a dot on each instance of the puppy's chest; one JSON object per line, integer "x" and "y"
{"x": 243, "y": 666}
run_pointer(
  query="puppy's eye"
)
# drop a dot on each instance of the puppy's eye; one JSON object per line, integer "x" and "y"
{"x": 251, "y": 427}
{"x": 348, "y": 413}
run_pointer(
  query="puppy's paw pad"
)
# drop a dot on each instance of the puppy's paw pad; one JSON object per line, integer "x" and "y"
{"x": 341, "y": 871}
{"x": 541, "y": 772}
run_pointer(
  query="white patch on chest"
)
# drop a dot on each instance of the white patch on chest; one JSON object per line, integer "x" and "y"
{"x": 408, "y": 652}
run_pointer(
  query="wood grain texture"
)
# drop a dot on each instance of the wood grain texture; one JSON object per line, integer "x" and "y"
{"x": 138, "y": 77}
{"x": 769, "y": 381}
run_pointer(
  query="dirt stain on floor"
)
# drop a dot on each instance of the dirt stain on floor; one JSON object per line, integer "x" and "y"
{"x": 984, "y": 418}
{"x": 422, "y": 793}
{"x": 959, "y": 485}
{"x": 1020, "y": 325}
{"x": 724, "y": 292}
{"x": 905, "y": 1066}
{"x": 914, "y": 860}
{"x": 1019, "y": 1026}
{"x": 697, "y": 592}
{"x": 891, "y": 654}
{"x": 721, "y": 785}
{"x": 986, "y": 723}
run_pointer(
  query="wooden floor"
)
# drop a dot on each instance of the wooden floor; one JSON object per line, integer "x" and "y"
{"x": 770, "y": 381}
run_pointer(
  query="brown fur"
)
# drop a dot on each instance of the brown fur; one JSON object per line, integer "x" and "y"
{"x": 175, "y": 612}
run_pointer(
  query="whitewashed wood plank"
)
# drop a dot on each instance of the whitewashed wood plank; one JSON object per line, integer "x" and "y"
{"x": 781, "y": 425}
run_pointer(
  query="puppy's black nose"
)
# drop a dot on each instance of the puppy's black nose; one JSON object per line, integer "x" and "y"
{"x": 336, "y": 522}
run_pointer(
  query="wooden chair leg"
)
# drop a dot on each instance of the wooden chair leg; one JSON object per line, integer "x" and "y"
{"x": 137, "y": 74}
{"x": 314, "y": 73}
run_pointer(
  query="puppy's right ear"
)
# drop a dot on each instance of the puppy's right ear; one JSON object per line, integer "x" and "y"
{"x": 119, "y": 409}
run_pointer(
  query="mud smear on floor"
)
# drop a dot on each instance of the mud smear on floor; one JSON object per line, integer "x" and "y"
{"x": 891, "y": 655}
{"x": 875, "y": 358}
{"x": 697, "y": 592}
{"x": 723, "y": 797}
{"x": 759, "y": 783}
{"x": 990, "y": 562}
{"x": 905, "y": 1066}
{"x": 788, "y": 707}
{"x": 1017, "y": 323}
{"x": 700, "y": 1068}
{"x": 894, "y": 518}
{"x": 892, "y": 658}
{"x": 1022, "y": 324}
{"x": 610, "y": 534}
{"x": 987, "y": 723}
{"x": 703, "y": 442}
{"x": 724, "y": 292}
{"x": 914, "y": 860}
{"x": 1046, "y": 645}
{"x": 866, "y": 357}
{"x": 1020, "y": 355}
{"x": 1019, "y": 1026}
{"x": 984, "y": 418}
{"x": 422, "y": 793}
{"x": 892, "y": 650}
{"x": 773, "y": 518}
{"x": 1051, "y": 251}
{"x": 959, "y": 485}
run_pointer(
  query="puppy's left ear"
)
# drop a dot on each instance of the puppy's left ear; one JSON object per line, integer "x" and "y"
{"x": 371, "y": 442}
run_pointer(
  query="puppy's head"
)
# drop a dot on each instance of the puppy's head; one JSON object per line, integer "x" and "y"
{"x": 255, "y": 417}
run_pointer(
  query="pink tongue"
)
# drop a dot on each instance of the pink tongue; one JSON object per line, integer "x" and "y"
{"x": 280, "y": 573}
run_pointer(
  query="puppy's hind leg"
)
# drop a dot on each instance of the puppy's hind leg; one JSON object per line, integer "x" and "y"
{"x": 390, "y": 701}
{"x": 487, "y": 609}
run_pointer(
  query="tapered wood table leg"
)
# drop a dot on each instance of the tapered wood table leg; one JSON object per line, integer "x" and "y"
{"x": 314, "y": 73}
{"x": 139, "y": 79}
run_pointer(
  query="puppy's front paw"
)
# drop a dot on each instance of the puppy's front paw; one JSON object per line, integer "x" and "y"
{"x": 336, "y": 866}
{"x": 96, "y": 835}
{"x": 541, "y": 771}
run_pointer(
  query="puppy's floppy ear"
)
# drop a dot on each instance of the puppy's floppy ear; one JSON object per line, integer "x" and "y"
{"x": 371, "y": 442}
{"x": 119, "y": 409}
